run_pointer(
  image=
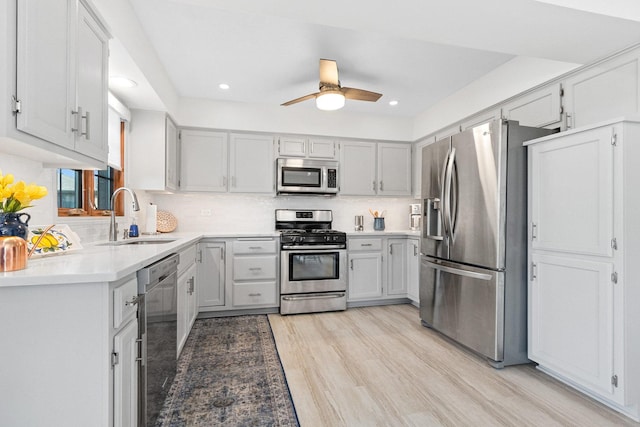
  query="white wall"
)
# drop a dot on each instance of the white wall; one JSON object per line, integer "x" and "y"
{"x": 265, "y": 118}
{"x": 516, "y": 76}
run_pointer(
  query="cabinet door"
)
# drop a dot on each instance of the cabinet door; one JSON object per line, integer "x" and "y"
{"x": 413, "y": 269}
{"x": 211, "y": 274}
{"x": 571, "y": 319}
{"x": 365, "y": 275}
{"x": 358, "y": 168}
{"x": 186, "y": 305}
{"x": 571, "y": 193}
{"x": 397, "y": 267}
{"x": 46, "y": 68}
{"x": 322, "y": 148}
{"x": 605, "y": 91}
{"x": 203, "y": 161}
{"x": 539, "y": 108}
{"x": 251, "y": 164}
{"x": 125, "y": 376}
{"x": 171, "y": 156}
{"x": 480, "y": 119}
{"x": 92, "y": 82}
{"x": 394, "y": 169}
{"x": 292, "y": 147}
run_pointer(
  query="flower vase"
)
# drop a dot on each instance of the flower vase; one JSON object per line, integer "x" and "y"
{"x": 12, "y": 224}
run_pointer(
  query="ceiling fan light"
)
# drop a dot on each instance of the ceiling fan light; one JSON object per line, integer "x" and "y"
{"x": 330, "y": 100}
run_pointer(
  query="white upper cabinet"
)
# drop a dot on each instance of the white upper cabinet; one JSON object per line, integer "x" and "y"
{"x": 537, "y": 109}
{"x": 203, "y": 160}
{"x": 369, "y": 169}
{"x": 61, "y": 79}
{"x": 608, "y": 90}
{"x": 313, "y": 148}
{"x": 152, "y": 151}
{"x": 358, "y": 168}
{"x": 479, "y": 119}
{"x": 394, "y": 169}
{"x": 251, "y": 164}
{"x": 571, "y": 193}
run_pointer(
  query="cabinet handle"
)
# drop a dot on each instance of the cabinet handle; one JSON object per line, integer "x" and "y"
{"x": 133, "y": 301}
{"x": 374, "y": 186}
{"x": 255, "y": 269}
{"x": 77, "y": 117}
{"x": 224, "y": 181}
{"x": 366, "y": 244}
{"x": 390, "y": 250}
{"x": 351, "y": 262}
{"x": 87, "y": 127}
{"x": 381, "y": 186}
{"x": 255, "y": 294}
{"x": 255, "y": 248}
{"x": 534, "y": 231}
{"x": 415, "y": 250}
{"x": 534, "y": 271}
{"x": 191, "y": 282}
{"x": 200, "y": 256}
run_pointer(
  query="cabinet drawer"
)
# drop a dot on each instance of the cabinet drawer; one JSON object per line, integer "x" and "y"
{"x": 187, "y": 257}
{"x": 255, "y": 267}
{"x": 262, "y": 293}
{"x": 372, "y": 244}
{"x": 124, "y": 307}
{"x": 254, "y": 246}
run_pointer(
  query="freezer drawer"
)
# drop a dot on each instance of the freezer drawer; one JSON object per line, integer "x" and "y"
{"x": 465, "y": 303}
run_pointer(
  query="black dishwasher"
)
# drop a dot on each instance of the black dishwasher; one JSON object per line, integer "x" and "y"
{"x": 158, "y": 317}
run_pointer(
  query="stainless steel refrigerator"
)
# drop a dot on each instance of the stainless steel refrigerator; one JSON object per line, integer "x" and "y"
{"x": 473, "y": 275}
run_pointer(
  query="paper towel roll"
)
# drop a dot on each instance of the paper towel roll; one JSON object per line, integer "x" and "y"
{"x": 151, "y": 219}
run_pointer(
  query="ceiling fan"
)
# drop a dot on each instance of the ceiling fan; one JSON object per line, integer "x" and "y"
{"x": 332, "y": 95}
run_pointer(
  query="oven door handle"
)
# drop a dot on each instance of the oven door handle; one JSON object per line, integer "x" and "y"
{"x": 312, "y": 247}
{"x": 315, "y": 296}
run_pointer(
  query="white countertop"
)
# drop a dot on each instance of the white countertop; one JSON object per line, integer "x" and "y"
{"x": 98, "y": 262}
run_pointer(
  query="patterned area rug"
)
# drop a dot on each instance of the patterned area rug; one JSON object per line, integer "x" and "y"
{"x": 229, "y": 374}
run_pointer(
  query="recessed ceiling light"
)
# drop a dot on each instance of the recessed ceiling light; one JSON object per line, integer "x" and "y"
{"x": 223, "y": 86}
{"x": 121, "y": 82}
{"x": 393, "y": 103}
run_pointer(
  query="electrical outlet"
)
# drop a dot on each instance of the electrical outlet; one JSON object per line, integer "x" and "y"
{"x": 205, "y": 212}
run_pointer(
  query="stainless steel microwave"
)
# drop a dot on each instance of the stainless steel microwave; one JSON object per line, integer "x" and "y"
{"x": 307, "y": 176}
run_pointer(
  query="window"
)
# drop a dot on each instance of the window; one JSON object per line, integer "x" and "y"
{"x": 88, "y": 192}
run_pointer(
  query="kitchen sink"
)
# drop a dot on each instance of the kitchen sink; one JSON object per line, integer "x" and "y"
{"x": 135, "y": 241}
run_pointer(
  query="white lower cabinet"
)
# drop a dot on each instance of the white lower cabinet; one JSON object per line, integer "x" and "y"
{"x": 255, "y": 273}
{"x": 397, "y": 277}
{"x": 413, "y": 270}
{"x": 125, "y": 376}
{"x": 381, "y": 269}
{"x": 211, "y": 275}
{"x": 584, "y": 247}
{"x": 365, "y": 275}
{"x": 572, "y": 319}
{"x": 187, "y": 304}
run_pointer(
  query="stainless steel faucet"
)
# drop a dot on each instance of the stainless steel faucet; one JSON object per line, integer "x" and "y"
{"x": 113, "y": 226}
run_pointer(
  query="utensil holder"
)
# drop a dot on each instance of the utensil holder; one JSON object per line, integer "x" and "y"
{"x": 378, "y": 224}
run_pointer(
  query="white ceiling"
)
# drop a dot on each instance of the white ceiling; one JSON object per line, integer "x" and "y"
{"x": 415, "y": 51}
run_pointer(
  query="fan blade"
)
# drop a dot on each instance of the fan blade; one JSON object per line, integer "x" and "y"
{"x": 360, "y": 94}
{"x": 302, "y": 98}
{"x": 329, "y": 72}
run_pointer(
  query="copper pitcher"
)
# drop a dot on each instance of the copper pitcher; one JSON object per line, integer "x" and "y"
{"x": 13, "y": 253}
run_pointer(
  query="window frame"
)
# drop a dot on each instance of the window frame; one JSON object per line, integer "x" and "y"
{"x": 88, "y": 190}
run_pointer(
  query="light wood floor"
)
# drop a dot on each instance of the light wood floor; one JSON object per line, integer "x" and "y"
{"x": 377, "y": 366}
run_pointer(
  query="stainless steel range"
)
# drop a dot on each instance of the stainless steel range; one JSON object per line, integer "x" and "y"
{"x": 313, "y": 262}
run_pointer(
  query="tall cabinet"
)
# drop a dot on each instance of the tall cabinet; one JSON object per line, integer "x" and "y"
{"x": 584, "y": 252}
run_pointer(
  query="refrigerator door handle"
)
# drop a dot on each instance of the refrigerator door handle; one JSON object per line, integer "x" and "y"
{"x": 446, "y": 200}
{"x": 443, "y": 194}
{"x": 459, "y": 272}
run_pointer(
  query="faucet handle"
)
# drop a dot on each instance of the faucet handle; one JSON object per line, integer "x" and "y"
{"x": 125, "y": 234}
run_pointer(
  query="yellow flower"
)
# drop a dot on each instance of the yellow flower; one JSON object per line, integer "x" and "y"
{"x": 18, "y": 196}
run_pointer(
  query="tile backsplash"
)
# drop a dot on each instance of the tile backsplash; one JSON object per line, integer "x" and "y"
{"x": 228, "y": 213}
